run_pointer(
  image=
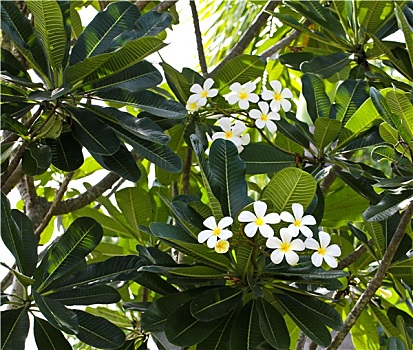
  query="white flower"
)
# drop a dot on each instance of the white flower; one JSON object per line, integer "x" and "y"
{"x": 215, "y": 231}
{"x": 192, "y": 106}
{"x": 232, "y": 133}
{"x": 242, "y": 94}
{"x": 201, "y": 93}
{"x": 263, "y": 118}
{"x": 222, "y": 246}
{"x": 259, "y": 221}
{"x": 323, "y": 250}
{"x": 298, "y": 222}
{"x": 285, "y": 247}
{"x": 278, "y": 96}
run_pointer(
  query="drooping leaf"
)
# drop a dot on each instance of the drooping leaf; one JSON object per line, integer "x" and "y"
{"x": 152, "y": 23}
{"x": 11, "y": 124}
{"x": 326, "y": 66}
{"x": 318, "y": 103}
{"x": 66, "y": 152}
{"x": 202, "y": 272}
{"x": 326, "y": 130}
{"x": 36, "y": 159}
{"x": 87, "y": 295}
{"x": 155, "y": 283}
{"x": 14, "y": 328}
{"x": 177, "y": 82}
{"x": 48, "y": 337}
{"x": 407, "y": 30}
{"x": 403, "y": 108}
{"x": 12, "y": 65}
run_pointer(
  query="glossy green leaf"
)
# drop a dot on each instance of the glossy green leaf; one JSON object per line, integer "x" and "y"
{"x": 103, "y": 29}
{"x": 407, "y": 30}
{"x": 171, "y": 232}
{"x": 98, "y": 332}
{"x": 48, "y": 337}
{"x": 394, "y": 343}
{"x": 155, "y": 283}
{"x": 48, "y": 23}
{"x": 11, "y": 92}
{"x": 228, "y": 170}
{"x": 57, "y": 314}
{"x": 135, "y": 204}
{"x": 75, "y": 20}
{"x": 152, "y": 23}
{"x": 326, "y": 66}
{"x": 403, "y": 108}
{"x": 14, "y": 328}
{"x": 203, "y": 272}
{"x": 182, "y": 329}
{"x": 87, "y": 295}
{"x": 66, "y": 152}
{"x": 11, "y": 124}
{"x": 215, "y": 303}
{"x": 384, "y": 321}
{"x": 326, "y": 130}
{"x": 261, "y": 158}
{"x": 290, "y": 186}
{"x": 12, "y": 65}
{"x": 241, "y": 69}
{"x": 272, "y": 325}
{"x": 82, "y": 236}
{"x": 177, "y": 82}
{"x": 374, "y": 14}
{"x": 36, "y": 159}
{"x": 318, "y": 103}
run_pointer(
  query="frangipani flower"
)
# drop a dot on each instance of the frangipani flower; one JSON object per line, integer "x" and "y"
{"x": 243, "y": 94}
{"x": 298, "y": 222}
{"x": 263, "y": 117}
{"x": 222, "y": 246}
{"x": 215, "y": 231}
{"x": 259, "y": 221}
{"x": 323, "y": 250}
{"x": 201, "y": 93}
{"x": 278, "y": 97}
{"x": 232, "y": 133}
{"x": 285, "y": 247}
{"x": 192, "y": 106}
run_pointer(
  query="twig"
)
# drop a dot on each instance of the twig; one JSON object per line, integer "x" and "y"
{"x": 353, "y": 256}
{"x": 112, "y": 191}
{"x": 248, "y": 36}
{"x": 164, "y": 5}
{"x": 377, "y": 280}
{"x": 281, "y": 44}
{"x": 186, "y": 172}
{"x": 14, "y": 163}
{"x": 8, "y": 279}
{"x": 59, "y": 195}
{"x": 31, "y": 189}
{"x": 198, "y": 36}
{"x": 141, "y": 4}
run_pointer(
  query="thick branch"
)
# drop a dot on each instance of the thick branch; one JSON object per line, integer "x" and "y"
{"x": 59, "y": 195}
{"x": 141, "y": 4}
{"x": 14, "y": 163}
{"x": 164, "y": 5}
{"x": 198, "y": 36}
{"x": 248, "y": 36}
{"x": 13, "y": 180}
{"x": 281, "y": 44}
{"x": 353, "y": 256}
{"x": 88, "y": 196}
{"x": 377, "y": 280}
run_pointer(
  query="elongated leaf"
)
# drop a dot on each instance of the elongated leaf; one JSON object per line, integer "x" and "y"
{"x": 98, "y": 332}
{"x": 202, "y": 272}
{"x": 241, "y": 69}
{"x": 87, "y": 296}
{"x": 36, "y": 159}
{"x": 318, "y": 103}
{"x": 261, "y": 158}
{"x": 182, "y": 329}
{"x": 326, "y": 66}
{"x": 152, "y": 23}
{"x": 82, "y": 236}
{"x": 364, "y": 333}
{"x": 215, "y": 303}
{"x": 57, "y": 314}
{"x": 155, "y": 283}
{"x": 104, "y": 27}
{"x": 272, "y": 325}
{"x": 177, "y": 82}
{"x": 14, "y": 328}
{"x": 11, "y": 92}
{"x": 229, "y": 172}
{"x": 11, "y": 124}
{"x": 306, "y": 271}
{"x": 146, "y": 100}
{"x": 66, "y": 152}
{"x": 12, "y": 65}
{"x": 374, "y": 14}
{"x": 48, "y": 337}
{"x": 170, "y": 232}
{"x": 349, "y": 97}
{"x": 407, "y": 30}
{"x": 290, "y": 186}
{"x": 48, "y": 22}
{"x": 326, "y": 130}
{"x": 403, "y": 108}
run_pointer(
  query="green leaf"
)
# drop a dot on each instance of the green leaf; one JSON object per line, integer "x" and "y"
{"x": 152, "y": 23}
{"x": 155, "y": 283}
{"x": 318, "y": 103}
{"x": 177, "y": 82}
{"x": 14, "y": 328}
{"x": 272, "y": 325}
{"x": 246, "y": 332}
{"x": 407, "y": 30}
{"x": 48, "y": 23}
{"x": 135, "y": 204}
{"x": 403, "y": 108}
{"x": 171, "y": 232}
{"x": 11, "y": 92}
{"x": 66, "y": 152}
{"x": 261, "y": 158}
{"x": 12, "y": 65}
{"x": 87, "y": 295}
{"x": 147, "y": 101}
{"x": 364, "y": 333}
{"x": 384, "y": 321}
{"x": 75, "y": 20}
{"x": 203, "y": 272}
{"x": 325, "y": 66}
{"x": 241, "y": 69}
{"x": 36, "y": 159}
{"x": 228, "y": 170}
{"x": 11, "y": 124}
{"x": 374, "y": 14}
{"x": 103, "y": 29}
{"x": 394, "y": 343}
{"x": 48, "y": 337}
{"x": 215, "y": 303}
{"x": 290, "y": 186}
{"x": 243, "y": 263}
{"x": 82, "y": 236}
{"x": 182, "y": 329}
{"x": 57, "y": 314}
{"x": 326, "y": 130}
{"x": 98, "y": 332}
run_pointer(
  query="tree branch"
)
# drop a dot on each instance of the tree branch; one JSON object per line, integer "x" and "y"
{"x": 198, "y": 36}
{"x": 88, "y": 196}
{"x": 248, "y": 36}
{"x": 13, "y": 180}
{"x": 59, "y": 195}
{"x": 14, "y": 163}
{"x": 281, "y": 44}
{"x": 141, "y": 4}
{"x": 377, "y": 280}
{"x": 164, "y": 5}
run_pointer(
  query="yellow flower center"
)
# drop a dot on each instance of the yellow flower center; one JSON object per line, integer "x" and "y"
{"x": 216, "y": 231}
{"x": 221, "y": 246}
{"x": 204, "y": 93}
{"x": 297, "y": 222}
{"x": 285, "y": 247}
{"x": 321, "y": 251}
{"x": 264, "y": 117}
{"x": 243, "y": 95}
{"x": 192, "y": 105}
{"x": 228, "y": 134}
{"x": 259, "y": 222}
{"x": 277, "y": 96}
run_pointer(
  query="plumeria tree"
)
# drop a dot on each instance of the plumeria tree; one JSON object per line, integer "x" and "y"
{"x": 262, "y": 200}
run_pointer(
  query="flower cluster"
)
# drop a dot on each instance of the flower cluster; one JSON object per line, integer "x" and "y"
{"x": 284, "y": 246}
{"x": 232, "y": 133}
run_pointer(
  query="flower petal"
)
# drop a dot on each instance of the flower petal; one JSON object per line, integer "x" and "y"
{"x": 204, "y": 235}
{"x": 267, "y": 95}
{"x": 308, "y": 220}
{"x": 272, "y": 218}
{"x": 232, "y": 99}
{"x": 202, "y": 101}
{"x": 264, "y": 106}
{"x": 316, "y": 259}
{"x": 276, "y": 85}
{"x": 246, "y": 216}
{"x": 331, "y": 261}
{"x": 196, "y": 88}
{"x": 273, "y": 242}
{"x": 298, "y": 210}
{"x": 297, "y": 244}
{"x": 250, "y": 229}
{"x": 294, "y": 230}
{"x": 311, "y": 243}
{"x": 212, "y": 241}
{"x": 210, "y": 222}
{"x": 271, "y": 126}
{"x": 333, "y": 250}
{"x": 226, "y": 221}
{"x": 225, "y": 124}
{"x": 249, "y": 87}
{"x": 286, "y": 216}
{"x": 218, "y": 135}
{"x": 255, "y": 113}
{"x": 286, "y": 93}
{"x": 243, "y": 104}
{"x": 285, "y": 235}
{"x": 260, "y": 123}
{"x": 236, "y": 87}
{"x": 286, "y": 105}
{"x": 208, "y": 83}
{"x": 245, "y": 139}
{"x": 274, "y": 116}
{"x": 306, "y": 231}
{"x": 225, "y": 234}
{"x": 266, "y": 230}
{"x": 253, "y": 98}
{"x": 292, "y": 258}
{"x": 212, "y": 92}
{"x": 260, "y": 208}
{"x": 324, "y": 239}
{"x": 193, "y": 98}
{"x": 275, "y": 105}
{"x": 277, "y": 256}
